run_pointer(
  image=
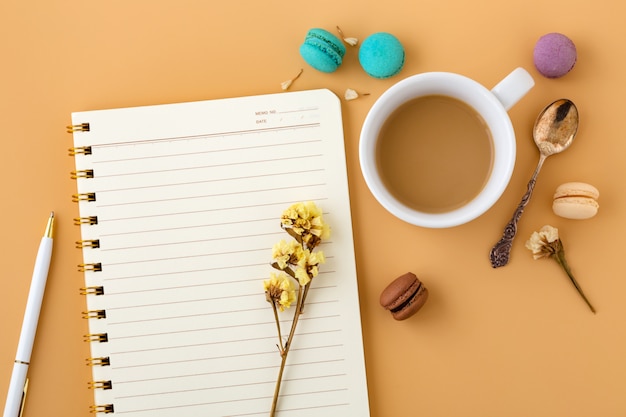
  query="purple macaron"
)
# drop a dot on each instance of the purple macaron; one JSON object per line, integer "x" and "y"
{"x": 554, "y": 55}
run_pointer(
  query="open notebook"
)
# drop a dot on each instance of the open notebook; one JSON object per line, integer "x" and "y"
{"x": 179, "y": 207}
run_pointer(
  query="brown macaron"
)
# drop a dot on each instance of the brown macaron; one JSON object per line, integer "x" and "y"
{"x": 404, "y": 296}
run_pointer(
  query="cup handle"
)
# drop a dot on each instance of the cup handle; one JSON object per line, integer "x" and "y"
{"x": 513, "y": 87}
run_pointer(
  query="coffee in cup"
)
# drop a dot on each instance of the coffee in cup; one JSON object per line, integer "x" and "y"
{"x": 438, "y": 149}
{"x": 434, "y": 153}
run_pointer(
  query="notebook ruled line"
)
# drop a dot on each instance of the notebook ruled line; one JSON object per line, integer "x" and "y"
{"x": 198, "y": 389}
{"x": 263, "y": 413}
{"x": 276, "y": 204}
{"x": 204, "y": 136}
{"x": 334, "y": 405}
{"x": 160, "y": 348}
{"x": 217, "y": 358}
{"x": 178, "y": 155}
{"x": 334, "y": 362}
{"x": 194, "y": 226}
{"x": 213, "y": 180}
{"x": 193, "y": 271}
{"x": 192, "y": 241}
{"x": 195, "y": 197}
{"x": 209, "y": 284}
{"x": 249, "y": 384}
{"x": 203, "y": 255}
{"x": 205, "y": 329}
{"x": 185, "y": 271}
{"x": 259, "y": 413}
{"x": 199, "y": 300}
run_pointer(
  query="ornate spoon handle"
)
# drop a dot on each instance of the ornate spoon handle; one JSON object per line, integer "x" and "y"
{"x": 501, "y": 251}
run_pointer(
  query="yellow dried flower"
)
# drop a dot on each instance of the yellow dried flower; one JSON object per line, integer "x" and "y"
{"x": 311, "y": 262}
{"x": 280, "y": 291}
{"x": 285, "y": 253}
{"x": 304, "y": 222}
{"x": 308, "y": 266}
{"x": 302, "y": 276}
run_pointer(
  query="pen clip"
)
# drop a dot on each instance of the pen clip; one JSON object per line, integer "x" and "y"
{"x": 24, "y": 392}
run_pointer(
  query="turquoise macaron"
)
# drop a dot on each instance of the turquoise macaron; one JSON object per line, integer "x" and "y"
{"x": 381, "y": 55}
{"x": 322, "y": 50}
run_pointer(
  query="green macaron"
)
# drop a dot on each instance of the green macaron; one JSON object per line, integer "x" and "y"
{"x": 322, "y": 50}
{"x": 381, "y": 55}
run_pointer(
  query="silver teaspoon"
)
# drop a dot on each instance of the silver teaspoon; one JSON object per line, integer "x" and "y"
{"x": 554, "y": 132}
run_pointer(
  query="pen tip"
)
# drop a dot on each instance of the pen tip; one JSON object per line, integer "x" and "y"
{"x": 50, "y": 226}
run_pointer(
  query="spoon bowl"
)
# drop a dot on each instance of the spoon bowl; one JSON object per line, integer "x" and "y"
{"x": 556, "y": 127}
{"x": 554, "y": 132}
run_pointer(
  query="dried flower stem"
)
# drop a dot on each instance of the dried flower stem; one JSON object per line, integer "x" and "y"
{"x": 284, "y": 352}
{"x": 306, "y": 291}
{"x": 560, "y": 258}
{"x": 280, "y": 335}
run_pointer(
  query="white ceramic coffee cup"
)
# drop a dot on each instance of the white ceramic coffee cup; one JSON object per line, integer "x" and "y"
{"x": 492, "y": 105}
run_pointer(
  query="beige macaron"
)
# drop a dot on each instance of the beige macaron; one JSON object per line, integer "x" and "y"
{"x": 576, "y": 200}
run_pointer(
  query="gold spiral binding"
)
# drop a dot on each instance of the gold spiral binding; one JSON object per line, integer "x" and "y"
{"x": 90, "y": 220}
{"x": 104, "y": 361}
{"x": 83, "y": 197}
{"x": 80, "y": 150}
{"x": 100, "y": 385}
{"x": 96, "y": 337}
{"x": 94, "y": 244}
{"x": 95, "y": 314}
{"x": 106, "y": 409}
{"x": 83, "y": 173}
{"x": 96, "y": 267}
{"x": 98, "y": 290}
{"x": 82, "y": 127}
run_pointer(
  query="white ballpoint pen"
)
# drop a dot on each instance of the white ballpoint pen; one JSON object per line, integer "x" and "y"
{"x": 19, "y": 382}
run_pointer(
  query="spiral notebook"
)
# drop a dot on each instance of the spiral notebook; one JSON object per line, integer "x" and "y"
{"x": 179, "y": 208}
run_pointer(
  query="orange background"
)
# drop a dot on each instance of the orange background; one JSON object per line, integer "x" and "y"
{"x": 517, "y": 341}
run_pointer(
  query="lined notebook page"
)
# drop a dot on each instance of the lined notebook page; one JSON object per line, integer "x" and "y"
{"x": 188, "y": 199}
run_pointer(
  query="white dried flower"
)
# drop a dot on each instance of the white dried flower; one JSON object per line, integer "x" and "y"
{"x": 351, "y": 94}
{"x": 286, "y": 84}
{"x": 546, "y": 244}
{"x": 541, "y": 243}
{"x": 349, "y": 40}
